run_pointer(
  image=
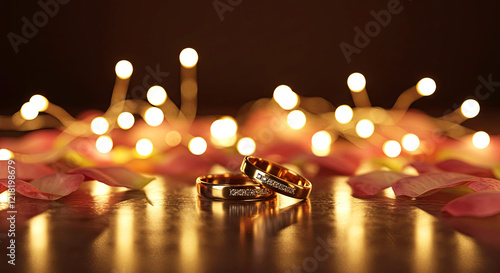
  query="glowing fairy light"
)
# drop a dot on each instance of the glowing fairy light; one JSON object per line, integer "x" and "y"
{"x": 154, "y": 116}
{"x": 104, "y": 144}
{"x": 426, "y": 87}
{"x": 343, "y": 114}
{"x": 144, "y": 147}
{"x": 39, "y": 102}
{"x": 188, "y": 57}
{"x": 356, "y": 82}
{"x": 481, "y": 140}
{"x": 365, "y": 128}
{"x": 321, "y": 140}
{"x": 5, "y": 154}
{"x": 246, "y": 146}
{"x": 410, "y": 142}
{"x": 470, "y": 108}
{"x": 296, "y": 119}
{"x": 222, "y": 128}
{"x": 285, "y": 97}
{"x": 124, "y": 69}
{"x": 156, "y": 95}
{"x": 173, "y": 138}
{"x": 29, "y": 111}
{"x": 99, "y": 125}
{"x": 125, "y": 120}
{"x": 197, "y": 146}
{"x": 391, "y": 148}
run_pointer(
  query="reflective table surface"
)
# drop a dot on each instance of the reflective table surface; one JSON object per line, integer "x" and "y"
{"x": 168, "y": 228}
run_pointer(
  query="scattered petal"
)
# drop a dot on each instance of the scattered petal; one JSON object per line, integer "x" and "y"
{"x": 458, "y": 166}
{"x": 50, "y": 187}
{"x": 114, "y": 176}
{"x": 427, "y": 183}
{"x": 484, "y": 184}
{"x": 478, "y": 204}
{"x": 424, "y": 167}
{"x": 372, "y": 183}
{"x": 25, "y": 171}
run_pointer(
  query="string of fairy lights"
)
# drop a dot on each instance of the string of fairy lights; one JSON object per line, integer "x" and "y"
{"x": 353, "y": 123}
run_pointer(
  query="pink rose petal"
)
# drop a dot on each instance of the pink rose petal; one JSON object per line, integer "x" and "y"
{"x": 478, "y": 204}
{"x": 424, "y": 167}
{"x": 426, "y": 183}
{"x": 372, "y": 183}
{"x": 25, "y": 171}
{"x": 458, "y": 166}
{"x": 114, "y": 176}
{"x": 50, "y": 187}
{"x": 483, "y": 184}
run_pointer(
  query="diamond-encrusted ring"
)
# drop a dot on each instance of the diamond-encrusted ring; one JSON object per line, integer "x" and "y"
{"x": 276, "y": 177}
{"x": 231, "y": 187}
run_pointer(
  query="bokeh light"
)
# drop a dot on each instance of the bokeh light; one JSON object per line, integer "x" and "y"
{"x": 225, "y": 127}
{"x": 246, "y": 146}
{"x": 285, "y": 97}
{"x": 125, "y": 120}
{"x": 156, "y": 95}
{"x": 99, "y": 125}
{"x": 321, "y": 140}
{"x": 344, "y": 114}
{"x": 39, "y": 102}
{"x": 104, "y": 144}
{"x": 197, "y": 146}
{"x": 154, "y": 116}
{"x": 124, "y": 69}
{"x": 296, "y": 119}
{"x": 188, "y": 57}
{"x": 426, "y": 87}
{"x": 5, "y": 154}
{"x": 391, "y": 148}
{"x": 29, "y": 111}
{"x": 410, "y": 142}
{"x": 356, "y": 82}
{"x": 481, "y": 140}
{"x": 144, "y": 147}
{"x": 470, "y": 108}
{"x": 173, "y": 138}
{"x": 365, "y": 128}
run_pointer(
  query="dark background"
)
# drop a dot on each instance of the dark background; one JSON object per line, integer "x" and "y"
{"x": 259, "y": 45}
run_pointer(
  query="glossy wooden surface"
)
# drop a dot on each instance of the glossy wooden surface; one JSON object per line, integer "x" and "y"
{"x": 168, "y": 228}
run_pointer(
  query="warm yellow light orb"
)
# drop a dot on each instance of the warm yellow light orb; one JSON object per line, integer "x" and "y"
{"x": 197, "y": 146}
{"x": 156, "y": 95}
{"x": 154, "y": 116}
{"x": 144, "y": 147}
{"x": 470, "y": 108}
{"x": 426, "y": 87}
{"x": 223, "y": 128}
{"x": 410, "y": 142}
{"x": 356, "y": 82}
{"x": 365, "y": 128}
{"x": 29, "y": 111}
{"x": 392, "y": 148}
{"x": 173, "y": 138}
{"x": 343, "y": 114}
{"x": 6, "y": 154}
{"x": 321, "y": 140}
{"x": 188, "y": 57}
{"x": 125, "y": 120}
{"x": 246, "y": 146}
{"x": 124, "y": 69}
{"x": 99, "y": 125}
{"x": 296, "y": 119}
{"x": 104, "y": 144}
{"x": 39, "y": 102}
{"x": 481, "y": 140}
{"x": 285, "y": 97}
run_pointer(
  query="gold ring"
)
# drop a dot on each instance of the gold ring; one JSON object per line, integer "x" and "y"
{"x": 276, "y": 177}
{"x": 231, "y": 187}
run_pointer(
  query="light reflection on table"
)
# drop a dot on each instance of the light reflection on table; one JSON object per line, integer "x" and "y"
{"x": 167, "y": 227}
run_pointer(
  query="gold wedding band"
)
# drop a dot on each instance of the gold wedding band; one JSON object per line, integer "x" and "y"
{"x": 231, "y": 187}
{"x": 276, "y": 178}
